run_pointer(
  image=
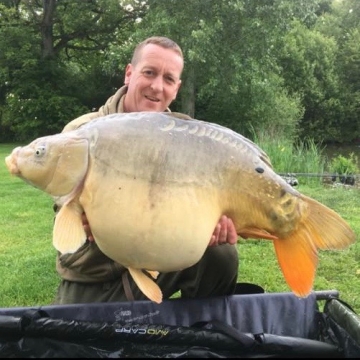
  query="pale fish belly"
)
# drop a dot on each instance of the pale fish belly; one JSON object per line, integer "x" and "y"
{"x": 166, "y": 232}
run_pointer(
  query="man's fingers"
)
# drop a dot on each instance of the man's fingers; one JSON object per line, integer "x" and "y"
{"x": 84, "y": 219}
{"x": 86, "y": 226}
{"x": 88, "y": 232}
{"x": 212, "y": 241}
{"x": 224, "y": 232}
{"x": 232, "y": 236}
{"x": 215, "y": 236}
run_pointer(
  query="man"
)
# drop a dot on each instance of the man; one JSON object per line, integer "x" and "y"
{"x": 152, "y": 81}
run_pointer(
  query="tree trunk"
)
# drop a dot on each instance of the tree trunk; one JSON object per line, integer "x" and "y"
{"x": 49, "y": 7}
{"x": 188, "y": 93}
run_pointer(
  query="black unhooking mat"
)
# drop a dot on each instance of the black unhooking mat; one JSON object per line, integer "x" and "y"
{"x": 242, "y": 326}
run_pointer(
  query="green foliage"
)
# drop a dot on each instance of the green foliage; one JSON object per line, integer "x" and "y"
{"x": 344, "y": 165}
{"x": 288, "y": 156}
{"x": 308, "y": 60}
{"x": 42, "y": 102}
{"x": 51, "y": 62}
{"x": 26, "y": 118}
{"x": 342, "y": 25}
{"x": 286, "y": 66}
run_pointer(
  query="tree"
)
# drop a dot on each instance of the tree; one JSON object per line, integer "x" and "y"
{"x": 343, "y": 25}
{"x": 282, "y": 67}
{"x": 231, "y": 74}
{"x": 51, "y": 60}
{"x": 308, "y": 61}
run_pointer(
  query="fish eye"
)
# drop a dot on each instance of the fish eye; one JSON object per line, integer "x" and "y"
{"x": 40, "y": 150}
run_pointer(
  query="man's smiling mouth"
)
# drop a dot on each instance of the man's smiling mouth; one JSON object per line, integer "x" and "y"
{"x": 151, "y": 98}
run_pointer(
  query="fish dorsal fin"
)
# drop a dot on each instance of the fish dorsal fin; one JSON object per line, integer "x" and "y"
{"x": 147, "y": 286}
{"x": 154, "y": 274}
{"x": 68, "y": 233}
{"x": 255, "y": 233}
{"x": 297, "y": 258}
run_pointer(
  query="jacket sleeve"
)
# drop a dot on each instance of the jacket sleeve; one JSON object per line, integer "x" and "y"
{"x": 74, "y": 124}
{"x": 113, "y": 105}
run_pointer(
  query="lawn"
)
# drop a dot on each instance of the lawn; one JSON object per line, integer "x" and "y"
{"x": 27, "y": 257}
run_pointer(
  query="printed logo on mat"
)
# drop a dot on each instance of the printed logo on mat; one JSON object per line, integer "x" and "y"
{"x": 142, "y": 330}
{"x": 126, "y": 315}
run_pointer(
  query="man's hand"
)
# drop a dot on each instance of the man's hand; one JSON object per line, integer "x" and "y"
{"x": 87, "y": 229}
{"x": 224, "y": 232}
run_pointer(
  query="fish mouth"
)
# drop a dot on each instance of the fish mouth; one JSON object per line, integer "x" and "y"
{"x": 11, "y": 162}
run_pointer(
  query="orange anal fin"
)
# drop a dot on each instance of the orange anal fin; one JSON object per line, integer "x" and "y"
{"x": 147, "y": 286}
{"x": 255, "y": 233}
{"x": 297, "y": 258}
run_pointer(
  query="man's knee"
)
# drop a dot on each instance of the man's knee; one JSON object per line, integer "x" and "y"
{"x": 222, "y": 265}
{"x": 223, "y": 257}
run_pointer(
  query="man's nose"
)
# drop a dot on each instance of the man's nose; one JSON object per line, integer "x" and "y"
{"x": 157, "y": 84}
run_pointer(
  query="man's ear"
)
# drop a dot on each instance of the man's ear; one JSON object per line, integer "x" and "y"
{"x": 128, "y": 72}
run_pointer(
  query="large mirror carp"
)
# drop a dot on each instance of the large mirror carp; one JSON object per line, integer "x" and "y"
{"x": 154, "y": 185}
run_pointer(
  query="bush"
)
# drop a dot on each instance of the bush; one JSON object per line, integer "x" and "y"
{"x": 345, "y": 167}
{"x": 342, "y": 165}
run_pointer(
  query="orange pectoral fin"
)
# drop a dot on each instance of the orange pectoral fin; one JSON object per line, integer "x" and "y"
{"x": 297, "y": 258}
{"x": 255, "y": 233}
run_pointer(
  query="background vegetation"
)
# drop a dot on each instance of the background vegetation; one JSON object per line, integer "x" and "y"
{"x": 279, "y": 66}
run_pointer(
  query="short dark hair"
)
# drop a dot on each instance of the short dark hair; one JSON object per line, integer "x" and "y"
{"x": 162, "y": 41}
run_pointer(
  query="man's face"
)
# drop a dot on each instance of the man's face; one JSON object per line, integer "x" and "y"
{"x": 154, "y": 81}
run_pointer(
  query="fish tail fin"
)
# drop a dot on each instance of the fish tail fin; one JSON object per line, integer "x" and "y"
{"x": 68, "y": 232}
{"x": 147, "y": 286}
{"x": 298, "y": 259}
{"x": 328, "y": 229}
{"x": 297, "y": 255}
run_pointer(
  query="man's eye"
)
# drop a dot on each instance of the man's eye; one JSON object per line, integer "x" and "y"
{"x": 170, "y": 80}
{"x": 148, "y": 72}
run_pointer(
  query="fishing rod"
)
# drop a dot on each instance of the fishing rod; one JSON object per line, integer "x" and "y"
{"x": 291, "y": 178}
{"x": 318, "y": 175}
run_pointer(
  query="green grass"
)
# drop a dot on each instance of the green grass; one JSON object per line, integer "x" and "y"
{"x": 27, "y": 257}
